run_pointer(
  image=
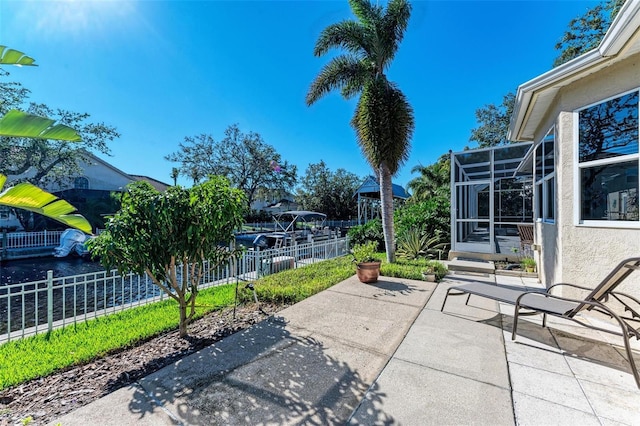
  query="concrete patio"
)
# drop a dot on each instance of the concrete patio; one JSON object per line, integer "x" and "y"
{"x": 385, "y": 354}
{"x": 461, "y": 367}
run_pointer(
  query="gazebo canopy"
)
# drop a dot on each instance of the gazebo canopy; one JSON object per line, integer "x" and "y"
{"x": 370, "y": 188}
{"x": 368, "y": 194}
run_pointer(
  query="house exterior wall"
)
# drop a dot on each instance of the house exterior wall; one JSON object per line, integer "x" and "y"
{"x": 573, "y": 252}
{"x": 101, "y": 178}
{"x": 8, "y": 221}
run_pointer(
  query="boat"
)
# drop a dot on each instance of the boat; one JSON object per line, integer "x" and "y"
{"x": 72, "y": 241}
{"x": 291, "y": 227}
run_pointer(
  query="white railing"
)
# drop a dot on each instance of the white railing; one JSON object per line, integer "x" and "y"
{"x": 41, "y": 306}
{"x": 19, "y": 240}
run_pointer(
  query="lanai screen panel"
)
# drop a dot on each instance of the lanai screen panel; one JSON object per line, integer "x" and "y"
{"x": 489, "y": 199}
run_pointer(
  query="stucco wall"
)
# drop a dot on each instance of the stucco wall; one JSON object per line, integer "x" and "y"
{"x": 572, "y": 252}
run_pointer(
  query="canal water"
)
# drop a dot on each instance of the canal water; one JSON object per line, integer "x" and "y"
{"x": 25, "y": 306}
{"x": 35, "y": 269}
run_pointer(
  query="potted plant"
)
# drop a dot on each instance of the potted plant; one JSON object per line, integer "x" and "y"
{"x": 528, "y": 264}
{"x": 368, "y": 266}
{"x": 429, "y": 274}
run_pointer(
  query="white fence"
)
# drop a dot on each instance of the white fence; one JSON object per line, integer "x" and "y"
{"x": 41, "y": 306}
{"x": 19, "y": 240}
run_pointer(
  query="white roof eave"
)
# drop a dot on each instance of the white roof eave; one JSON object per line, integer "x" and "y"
{"x": 615, "y": 40}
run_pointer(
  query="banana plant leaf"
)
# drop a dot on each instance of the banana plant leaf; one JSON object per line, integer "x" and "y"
{"x": 29, "y": 197}
{"x": 15, "y": 57}
{"x": 22, "y": 125}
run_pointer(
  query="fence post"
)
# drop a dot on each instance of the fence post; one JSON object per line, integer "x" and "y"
{"x": 3, "y": 253}
{"x": 49, "y": 301}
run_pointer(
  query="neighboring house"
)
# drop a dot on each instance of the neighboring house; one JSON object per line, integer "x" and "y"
{"x": 160, "y": 186}
{"x": 96, "y": 175}
{"x": 8, "y": 221}
{"x": 91, "y": 189}
{"x": 582, "y": 118}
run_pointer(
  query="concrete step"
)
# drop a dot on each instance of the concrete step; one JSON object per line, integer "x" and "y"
{"x": 472, "y": 265}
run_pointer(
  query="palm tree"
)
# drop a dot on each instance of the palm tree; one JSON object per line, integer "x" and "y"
{"x": 434, "y": 180}
{"x": 175, "y": 172}
{"x": 383, "y": 119}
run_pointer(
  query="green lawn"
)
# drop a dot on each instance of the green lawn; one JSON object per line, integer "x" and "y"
{"x": 37, "y": 356}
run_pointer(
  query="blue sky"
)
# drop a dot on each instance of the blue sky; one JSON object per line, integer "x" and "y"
{"x": 162, "y": 70}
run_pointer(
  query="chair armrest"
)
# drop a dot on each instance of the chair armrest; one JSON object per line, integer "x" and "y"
{"x": 569, "y": 285}
{"x": 625, "y": 328}
{"x": 594, "y": 303}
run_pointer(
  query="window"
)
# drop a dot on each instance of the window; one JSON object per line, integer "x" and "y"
{"x": 4, "y": 213}
{"x": 545, "y": 178}
{"x": 608, "y": 158}
{"x": 81, "y": 183}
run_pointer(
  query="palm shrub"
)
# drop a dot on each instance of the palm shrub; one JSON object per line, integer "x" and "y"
{"x": 415, "y": 244}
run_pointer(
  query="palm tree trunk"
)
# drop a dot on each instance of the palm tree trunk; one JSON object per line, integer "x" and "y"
{"x": 386, "y": 201}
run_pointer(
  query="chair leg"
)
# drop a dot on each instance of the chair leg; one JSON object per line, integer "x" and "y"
{"x": 544, "y": 320}
{"x": 516, "y": 313}
{"x": 445, "y": 300}
{"x": 468, "y": 298}
{"x": 632, "y": 363}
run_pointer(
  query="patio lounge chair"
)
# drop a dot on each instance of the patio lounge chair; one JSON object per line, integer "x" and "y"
{"x": 536, "y": 302}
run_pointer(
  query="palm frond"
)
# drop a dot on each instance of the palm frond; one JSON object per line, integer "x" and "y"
{"x": 15, "y": 57}
{"x": 23, "y": 125}
{"x": 341, "y": 71}
{"x": 366, "y": 12}
{"x": 349, "y": 35}
{"x": 395, "y": 21}
{"x": 29, "y": 197}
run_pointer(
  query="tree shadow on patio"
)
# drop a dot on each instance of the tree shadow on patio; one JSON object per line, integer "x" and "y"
{"x": 264, "y": 374}
{"x": 394, "y": 288}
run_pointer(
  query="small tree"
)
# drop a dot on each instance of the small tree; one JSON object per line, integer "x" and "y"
{"x": 170, "y": 235}
{"x": 245, "y": 159}
{"x": 328, "y": 192}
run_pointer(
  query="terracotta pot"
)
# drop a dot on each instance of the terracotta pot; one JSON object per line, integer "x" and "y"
{"x": 368, "y": 272}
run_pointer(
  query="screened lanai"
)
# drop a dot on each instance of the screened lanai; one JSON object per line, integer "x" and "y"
{"x": 489, "y": 198}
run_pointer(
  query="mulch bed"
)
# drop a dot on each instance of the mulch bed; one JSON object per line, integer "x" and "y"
{"x": 50, "y": 397}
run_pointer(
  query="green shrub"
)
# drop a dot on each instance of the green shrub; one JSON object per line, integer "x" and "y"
{"x": 413, "y": 269}
{"x": 370, "y": 231}
{"x": 294, "y": 285}
{"x": 432, "y": 216}
{"x": 439, "y": 268}
{"x": 528, "y": 263}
